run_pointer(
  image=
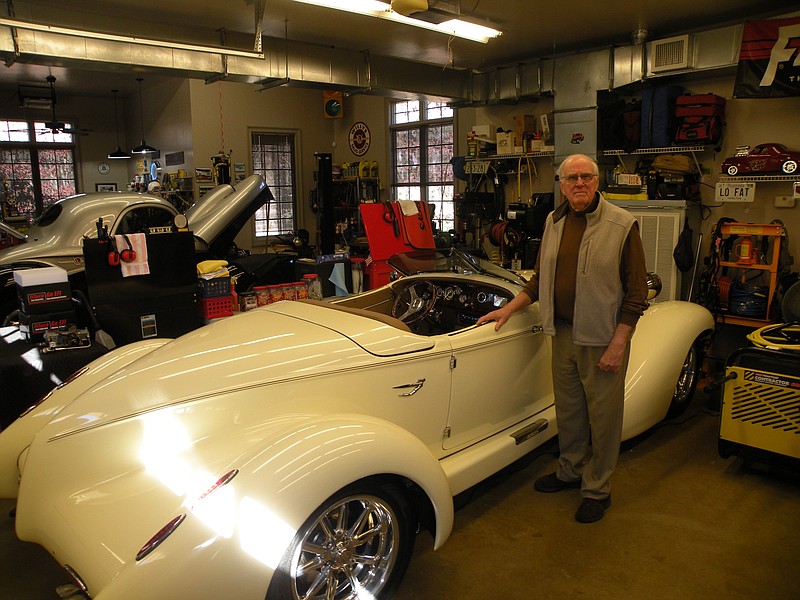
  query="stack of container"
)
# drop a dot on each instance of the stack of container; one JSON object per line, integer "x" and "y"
{"x": 45, "y": 302}
{"x": 215, "y": 298}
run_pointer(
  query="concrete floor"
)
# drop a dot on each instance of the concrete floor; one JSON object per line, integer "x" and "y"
{"x": 684, "y": 524}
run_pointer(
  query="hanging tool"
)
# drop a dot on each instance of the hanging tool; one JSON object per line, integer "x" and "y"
{"x": 390, "y": 217}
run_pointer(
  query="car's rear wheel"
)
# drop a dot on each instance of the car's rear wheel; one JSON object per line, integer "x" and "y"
{"x": 790, "y": 166}
{"x": 732, "y": 169}
{"x": 686, "y": 384}
{"x": 357, "y": 544}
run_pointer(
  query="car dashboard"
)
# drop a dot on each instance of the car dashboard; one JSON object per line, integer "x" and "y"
{"x": 459, "y": 304}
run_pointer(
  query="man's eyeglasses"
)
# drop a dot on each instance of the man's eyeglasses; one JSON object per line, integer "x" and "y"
{"x": 572, "y": 179}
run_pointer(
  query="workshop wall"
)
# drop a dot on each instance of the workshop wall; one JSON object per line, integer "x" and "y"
{"x": 748, "y": 122}
{"x": 244, "y": 110}
{"x": 167, "y": 124}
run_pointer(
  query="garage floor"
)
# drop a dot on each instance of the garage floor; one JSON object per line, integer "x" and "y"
{"x": 684, "y": 524}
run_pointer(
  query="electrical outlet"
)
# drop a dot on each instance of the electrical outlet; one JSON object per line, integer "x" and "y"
{"x": 784, "y": 202}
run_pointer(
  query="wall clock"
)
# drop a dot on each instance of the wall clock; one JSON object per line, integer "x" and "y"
{"x": 104, "y": 168}
{"x": 359, "y": 139}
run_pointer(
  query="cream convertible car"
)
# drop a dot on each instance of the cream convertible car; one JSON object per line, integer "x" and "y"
{"x": 292, "y": 451}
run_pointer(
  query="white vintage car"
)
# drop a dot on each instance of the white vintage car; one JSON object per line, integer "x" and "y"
{"x": 56, "y": 237}
{"x": 292, "y": 451}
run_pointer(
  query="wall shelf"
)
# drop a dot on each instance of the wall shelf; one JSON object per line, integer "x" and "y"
{"x": 548, "y": 154}
{"x": 667, "y": 150}
{"x": 757, "y": 178}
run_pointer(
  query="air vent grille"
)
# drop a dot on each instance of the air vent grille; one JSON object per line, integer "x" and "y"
{"x": 670, "y": 54}
{"x": 767, "y": 406}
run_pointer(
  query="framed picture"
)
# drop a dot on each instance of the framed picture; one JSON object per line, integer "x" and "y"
{"x": 238, "y": 167}
{"x": 203, "y": 175}
{"x": 105, "y": 187}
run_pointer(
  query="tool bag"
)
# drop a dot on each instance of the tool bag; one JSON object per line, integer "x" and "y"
{"x": 632, "y": 126}
{"x": 700, "y": 118}
{"x": 658, "y": 115}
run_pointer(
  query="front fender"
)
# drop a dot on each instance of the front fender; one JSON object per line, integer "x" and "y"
{"x": 19, "y": 435}
{"x": 297, "y": 472}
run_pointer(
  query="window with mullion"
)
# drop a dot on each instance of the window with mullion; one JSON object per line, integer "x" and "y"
{"x": 422, "y": 146}
{"x": 274, "y": 159}
{"x": 37, "y": 167}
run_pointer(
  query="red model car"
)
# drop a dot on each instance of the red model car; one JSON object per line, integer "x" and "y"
{"x": 764, "y": 158}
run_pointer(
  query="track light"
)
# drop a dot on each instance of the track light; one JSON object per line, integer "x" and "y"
{"x": 142, "y": 148}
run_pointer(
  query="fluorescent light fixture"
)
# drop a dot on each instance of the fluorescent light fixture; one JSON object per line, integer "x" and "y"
{"x": 381, "y": 10}
{"x": 126, "y": 39}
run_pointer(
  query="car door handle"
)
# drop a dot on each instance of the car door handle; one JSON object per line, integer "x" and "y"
{"x": 415, "y": 387}
{"x": 537, "y": 329}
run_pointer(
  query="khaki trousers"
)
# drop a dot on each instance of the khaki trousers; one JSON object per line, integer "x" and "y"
{"x": 589, "y": 407}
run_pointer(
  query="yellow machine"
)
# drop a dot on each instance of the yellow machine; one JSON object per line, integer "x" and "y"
{"x": 760, "y": 417}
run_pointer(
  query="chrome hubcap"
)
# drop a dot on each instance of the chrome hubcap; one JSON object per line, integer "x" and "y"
{"x": 347, "y": 553}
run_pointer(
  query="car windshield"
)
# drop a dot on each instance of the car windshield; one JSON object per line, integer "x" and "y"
{"x": 449, "y": 260}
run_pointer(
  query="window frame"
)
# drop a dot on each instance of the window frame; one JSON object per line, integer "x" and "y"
{"x": 425, "y": 125}
{"x": 293, "y": 140}
{"x": 35, "y": 146}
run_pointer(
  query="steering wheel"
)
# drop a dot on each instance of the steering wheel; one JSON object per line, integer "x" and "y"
{"x": 414, "y": 302}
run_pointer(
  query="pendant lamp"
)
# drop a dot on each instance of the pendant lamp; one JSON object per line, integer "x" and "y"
{"x": 142, "y": 148}
{"x": 119, "y": 153}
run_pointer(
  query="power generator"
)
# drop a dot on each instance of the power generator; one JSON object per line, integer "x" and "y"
{"x": 760, "y": 416}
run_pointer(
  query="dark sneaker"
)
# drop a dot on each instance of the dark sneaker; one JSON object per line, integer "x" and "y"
{"x": 592, "y": 510}
{"x": 551, "y": 483}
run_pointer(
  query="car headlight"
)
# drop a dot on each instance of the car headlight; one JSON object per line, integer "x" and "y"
{"x": 653, "y": 286}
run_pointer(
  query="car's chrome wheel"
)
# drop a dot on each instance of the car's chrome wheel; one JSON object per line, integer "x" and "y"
{"x": 733, "y": 170}
{"x": 356, "y": 545}
{"x": 687, "y": 382}
{"x": 790, "y": 166}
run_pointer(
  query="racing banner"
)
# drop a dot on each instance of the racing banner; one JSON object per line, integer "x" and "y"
{"x": 769, "y": 60}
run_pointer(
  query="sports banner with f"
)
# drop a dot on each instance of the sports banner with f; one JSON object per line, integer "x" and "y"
{"x": 769, "y": 60}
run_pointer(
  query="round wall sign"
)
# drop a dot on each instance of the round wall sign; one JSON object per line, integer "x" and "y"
{"x": 359, "y": 138}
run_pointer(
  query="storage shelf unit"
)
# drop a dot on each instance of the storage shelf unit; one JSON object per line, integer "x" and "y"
{"x": 548, "y": 154}
{"x": 773, "y": 232}
{"x": 693, "y": 150}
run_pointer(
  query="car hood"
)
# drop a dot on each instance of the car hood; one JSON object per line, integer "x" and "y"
{"x": 218, "y": 216}
{"x": 270, "y": 345}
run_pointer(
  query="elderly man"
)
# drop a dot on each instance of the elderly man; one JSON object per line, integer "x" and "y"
{"x": 590, "y": 281}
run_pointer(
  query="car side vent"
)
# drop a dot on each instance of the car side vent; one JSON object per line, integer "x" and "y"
{"x": 670, "y": 54}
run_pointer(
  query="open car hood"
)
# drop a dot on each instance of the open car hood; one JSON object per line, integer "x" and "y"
{"x": 220, "y": 214}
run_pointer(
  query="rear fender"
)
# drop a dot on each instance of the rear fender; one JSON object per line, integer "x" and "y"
{"x": 19, "y": 435}
{"x": 663, "y": 337}
{"x": 294, "y": 474}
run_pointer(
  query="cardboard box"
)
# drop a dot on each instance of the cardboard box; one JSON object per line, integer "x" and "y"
{"x": 33, "y": 327}
{"x": 43, "y": 291}
{"x": 485, "y": 132}
{"x": 524, "y": 124}
{"x": 628, "y": 179}
{"x": 505, "y": 143}
{"x": 545, "y": 126}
